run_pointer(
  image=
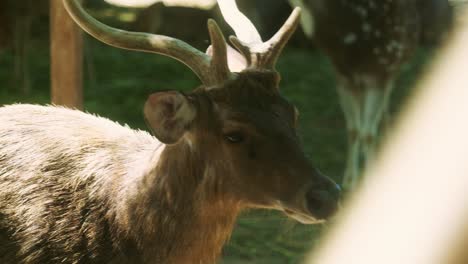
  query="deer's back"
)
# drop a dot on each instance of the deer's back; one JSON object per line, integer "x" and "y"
{"x": 61, "y": 175}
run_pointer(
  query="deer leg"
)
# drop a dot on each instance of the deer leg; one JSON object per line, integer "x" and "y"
{"x": 375, "y": 106}
{"x": 351, "y": 109}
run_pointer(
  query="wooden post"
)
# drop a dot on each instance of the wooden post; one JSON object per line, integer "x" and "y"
{"x": 66, "y": 44}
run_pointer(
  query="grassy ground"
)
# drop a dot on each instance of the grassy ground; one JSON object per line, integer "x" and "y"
{"x": 118, "y": 83}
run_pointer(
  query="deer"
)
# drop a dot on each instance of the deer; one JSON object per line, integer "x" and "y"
{"x": 367, "y": 43}
{"x": 79, "y": 188}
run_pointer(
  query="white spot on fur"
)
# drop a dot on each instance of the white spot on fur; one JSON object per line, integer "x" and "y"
{"x": 350, "y": 38}
{"x": 361, "y": 11}
{"x": 377, "y": 33}
{"x": 366, "y": 27}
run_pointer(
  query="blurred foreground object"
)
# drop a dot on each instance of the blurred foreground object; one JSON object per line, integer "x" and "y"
{"x": 413, "y": 207}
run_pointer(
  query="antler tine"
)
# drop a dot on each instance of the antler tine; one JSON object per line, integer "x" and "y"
{"x": 219, "y": 61}
{"x": 279, "y": 40}
{"x": 259, "y": 54}
{"x": 200, "y": 63}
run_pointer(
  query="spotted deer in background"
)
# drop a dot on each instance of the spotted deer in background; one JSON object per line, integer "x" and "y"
{"x": 367, "y": 42}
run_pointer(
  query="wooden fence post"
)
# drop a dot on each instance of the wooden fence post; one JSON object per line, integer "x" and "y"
{"x": 66, "y": 44}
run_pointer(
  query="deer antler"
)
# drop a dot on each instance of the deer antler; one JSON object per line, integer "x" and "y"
{"x": 259, "y": 54}
{"x": 211, "y": 70}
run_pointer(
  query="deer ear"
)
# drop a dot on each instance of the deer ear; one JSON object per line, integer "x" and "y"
{"x": 169, "y": 115}
{"x": 236, "y": 61}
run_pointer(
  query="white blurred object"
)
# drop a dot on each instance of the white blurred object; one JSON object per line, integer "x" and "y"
{"x": 203, "y": 4}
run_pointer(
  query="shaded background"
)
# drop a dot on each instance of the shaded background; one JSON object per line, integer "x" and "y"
{"x": 117, "y": 82}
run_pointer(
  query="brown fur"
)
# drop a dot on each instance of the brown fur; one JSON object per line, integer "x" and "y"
{"x": 76, "y": 188}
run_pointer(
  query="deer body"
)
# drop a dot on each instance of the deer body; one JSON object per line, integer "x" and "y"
{"x": 105, "y": 196}
{"x": 367, "y": 42}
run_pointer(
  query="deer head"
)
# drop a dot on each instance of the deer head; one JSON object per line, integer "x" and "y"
{"x": 237, "y": 125}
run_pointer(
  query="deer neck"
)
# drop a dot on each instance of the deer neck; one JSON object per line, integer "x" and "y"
{"x": 182, "y": 218}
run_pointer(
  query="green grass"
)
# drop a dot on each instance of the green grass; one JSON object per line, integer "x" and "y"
{"x": 121, "y": 80}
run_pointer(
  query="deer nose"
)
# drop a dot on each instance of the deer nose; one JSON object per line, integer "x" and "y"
{"x": 323, "y": 204}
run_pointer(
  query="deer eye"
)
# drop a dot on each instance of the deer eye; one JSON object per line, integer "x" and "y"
{"x": 235, "y": 137}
